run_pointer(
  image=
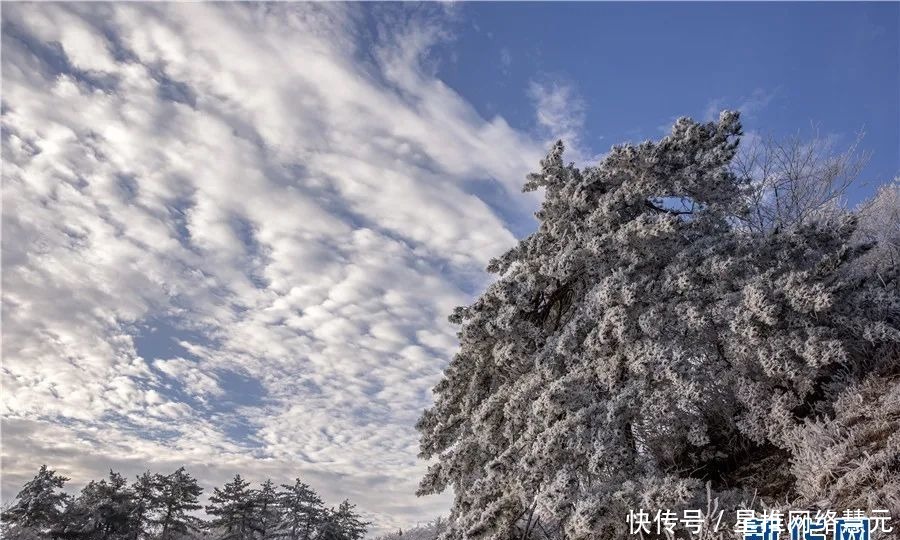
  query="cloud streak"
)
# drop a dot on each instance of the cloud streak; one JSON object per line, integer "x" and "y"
{"x": 560, "y": 113}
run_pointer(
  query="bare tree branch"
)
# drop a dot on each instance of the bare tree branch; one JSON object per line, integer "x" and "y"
{"x": 794, "y": 180}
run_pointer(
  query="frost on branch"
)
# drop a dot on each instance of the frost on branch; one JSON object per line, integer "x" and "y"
{"x": 640, "y": 345}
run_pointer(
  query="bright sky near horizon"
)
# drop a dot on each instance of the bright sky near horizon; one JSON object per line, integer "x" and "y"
{"x": 232, "y": 233}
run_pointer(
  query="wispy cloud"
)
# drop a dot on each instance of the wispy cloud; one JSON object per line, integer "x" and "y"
{"x": 505, "y": 60}
{"x": 748, "y": 106}
{"x": 560, "y": 114}
{"x": 231, "y": 240}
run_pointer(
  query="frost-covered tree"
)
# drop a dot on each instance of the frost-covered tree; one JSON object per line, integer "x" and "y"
{"x": 342, "y": 524}
{"x": 39, "y": 504}
{"x": 104, "y": 510}
{"x": 145, "y": 491}
{"x": 232, "y": 508}
{"x": 266, "y": 512}
{"x": 639, "y": 349}
{"x": 177, "y": 498}
{"x": 880, "y": 224}
{"x": 301, "y": 509}
{"x": 164, "y": 507}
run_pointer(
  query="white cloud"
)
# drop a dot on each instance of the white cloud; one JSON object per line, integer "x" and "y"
{"x": 748, "y": 106}
{"x": 302, "y": 212}
{"x": 505, "y": 60}
{"x": 560, "y": 113}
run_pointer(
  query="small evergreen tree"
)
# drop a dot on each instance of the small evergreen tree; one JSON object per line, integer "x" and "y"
{"x": 343, "y": 524}
{"x": 103, "y": 511}
{"x": 232, "y": 508}
{"x": 302, "y": 511}
{"x": 40, "y": 503}
{"x": 177, "y": 497}
{"x": 265, "y": 510}
{"x": 146, "y": 501}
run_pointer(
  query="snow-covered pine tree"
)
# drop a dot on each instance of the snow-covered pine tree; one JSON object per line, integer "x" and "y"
{"x": 342, "y": 524}
{"x": 301, "y": 511}
{"x": 266, "y": 513}
{"x": 146, "y": 491}
{"x": 639, "y": 347}
{"x": 177, "y": 497}
{"x": 104, "y": 510}
{"x": 232, "y": 508}
{"x": 39, "y": 504}
{"x": 350, "y": 522}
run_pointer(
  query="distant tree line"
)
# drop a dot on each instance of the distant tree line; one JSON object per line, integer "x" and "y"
{"x": 431, "y": 530}
{"x": 166, "y": 506}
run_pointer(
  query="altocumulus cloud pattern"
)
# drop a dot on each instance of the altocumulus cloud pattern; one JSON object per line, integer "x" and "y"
{"x": 232, "y": 235}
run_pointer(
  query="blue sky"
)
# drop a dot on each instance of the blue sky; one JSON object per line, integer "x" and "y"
{"x": 637, "y": 65}
{"x": 233, "y": 233}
